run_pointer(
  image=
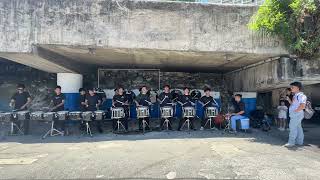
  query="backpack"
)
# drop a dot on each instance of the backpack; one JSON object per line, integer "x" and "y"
{"x": 308, "y": 111}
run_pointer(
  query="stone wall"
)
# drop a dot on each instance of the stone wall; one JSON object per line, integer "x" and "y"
{"x": 38, "y": 83}
{"x": 133, "y": 79}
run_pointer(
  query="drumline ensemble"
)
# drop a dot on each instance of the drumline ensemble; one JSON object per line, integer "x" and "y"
{"x": 120, "y": 112}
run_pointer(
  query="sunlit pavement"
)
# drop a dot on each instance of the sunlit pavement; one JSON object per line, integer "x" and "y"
{"x": 158, "y": 155}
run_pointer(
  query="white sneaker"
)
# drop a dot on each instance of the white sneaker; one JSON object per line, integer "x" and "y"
{"x": 201, "y": 128}
{"x": 279, "y": 129}
{"x": 289, "y": 145}
{"x": 282, "y": 129}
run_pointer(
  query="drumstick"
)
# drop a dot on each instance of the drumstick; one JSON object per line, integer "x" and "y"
{"x": 163, "y": 99}
{"x": 121, "y": 102}
{"x": 148, "y": 101}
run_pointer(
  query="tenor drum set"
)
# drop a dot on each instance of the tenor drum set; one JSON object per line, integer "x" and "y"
{"x": 50, "y": 117}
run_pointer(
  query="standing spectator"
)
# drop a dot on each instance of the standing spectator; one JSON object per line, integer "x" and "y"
{"x": 297, "y": 105}
{"x": 282, "y": 115}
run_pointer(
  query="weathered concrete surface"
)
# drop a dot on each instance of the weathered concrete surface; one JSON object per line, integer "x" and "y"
{"x": 190, "y": 35}
{"x": 274, "y": 74}
{"x": 158, "y": 155}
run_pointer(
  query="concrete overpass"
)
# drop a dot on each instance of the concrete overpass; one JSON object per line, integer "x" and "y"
{"x": 77, "y": 35}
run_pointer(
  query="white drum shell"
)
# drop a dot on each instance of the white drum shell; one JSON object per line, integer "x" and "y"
{"x": 143, "y": 112}
{"x": 75, "y": 115}
{"x": 36, "y": 116}
{"x": 166, "y": 112}
{"x": 87, "y": 116}
{"x": 189, "y": 112}
{"x": 117, "y": 113}
{"x": 99, "y": 115}
{"x": 49, "y": 116}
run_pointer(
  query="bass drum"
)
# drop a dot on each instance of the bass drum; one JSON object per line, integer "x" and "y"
{"x": 196, "y": 94}
{"x": 131, "y": 96}
{"x": 176, "y": 93}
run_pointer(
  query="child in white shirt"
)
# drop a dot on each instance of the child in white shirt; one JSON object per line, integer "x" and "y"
{"x": 282, "y": 115}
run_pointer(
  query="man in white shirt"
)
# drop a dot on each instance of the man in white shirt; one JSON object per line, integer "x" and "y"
{"x": 296, "y": 113}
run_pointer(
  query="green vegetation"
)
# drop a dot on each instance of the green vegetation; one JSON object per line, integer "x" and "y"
{"x": 296, "y": 22}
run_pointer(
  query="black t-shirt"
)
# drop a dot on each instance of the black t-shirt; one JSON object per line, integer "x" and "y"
{"x": 92, "y": 102}
{"x": 208, "y": 101}
{"x": 20, "y": 99}
{"x": 186, "y": 100}
{"x": 57, "y": 99}
{"x": 239, "y": 107}
{"x": 142, "y": 99}
{"x": 121, "y": 98}
{"x": 165, "y": 98}
{"x": 287, "y": 102}
{"x": 81, "y": 100}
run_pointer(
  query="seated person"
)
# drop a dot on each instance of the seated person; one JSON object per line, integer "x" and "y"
{"x": 239, "y": 111}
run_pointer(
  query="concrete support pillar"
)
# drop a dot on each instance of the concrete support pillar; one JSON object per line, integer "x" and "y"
{"x": 70, "y": 84}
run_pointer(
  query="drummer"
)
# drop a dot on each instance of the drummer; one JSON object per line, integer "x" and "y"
{"x": 165, "y": 99}
{"x": 121, "y": 100}
{"x": 207, "y": 101}
{"x": 186, "y": 101}
{"x": 92, "y": 104}
{"x": 58, "y": 105}
{"x": 143, "y": 99}
{"x": 19, "y": 102}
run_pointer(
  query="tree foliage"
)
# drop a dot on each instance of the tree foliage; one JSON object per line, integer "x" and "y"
{"x": 296, "y": 22}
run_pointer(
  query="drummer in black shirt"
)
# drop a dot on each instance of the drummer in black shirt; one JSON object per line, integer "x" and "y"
{"x": 121, "y": 100}
{"x": 143, "y": 99}
{"x": 58, "y": 105}
{"x": 207, "y": 101}
{"x": 165, "y": 99}
{"x": 19, "y": 102}
{"x": 186, "y": 101}
{"x": 92, "y": 104}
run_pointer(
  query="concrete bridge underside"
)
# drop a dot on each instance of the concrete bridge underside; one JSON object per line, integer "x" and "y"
{"x": 77, "y": 35}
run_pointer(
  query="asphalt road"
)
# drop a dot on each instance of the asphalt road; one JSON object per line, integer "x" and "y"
{"x": 157, "y": 155}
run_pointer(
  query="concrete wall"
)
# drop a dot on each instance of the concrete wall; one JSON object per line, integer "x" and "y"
{"x": 274, "y": 74}
{"x": 130, "y": 24}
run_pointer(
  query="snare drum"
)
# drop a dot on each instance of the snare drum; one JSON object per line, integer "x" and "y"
{"x": 211, "y": 112}
{"x": 49, "y": 116}
{"x": 117, "y": 113}
{"x": 22, "y": 115}
{"x": 99, "y": 115}
{"x": 166, "y": 112}
{"x": 188, "y": 112}
{"x": 143, "y": 112}
{"x": 6, "y": 116}
{"x": 87, "y": 115}
{"x": 75, "y": 115}
{"x": 62, "y": 115}
{"x": 36, "y": 116}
